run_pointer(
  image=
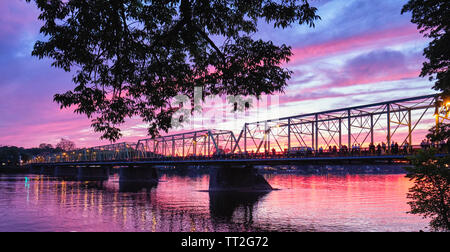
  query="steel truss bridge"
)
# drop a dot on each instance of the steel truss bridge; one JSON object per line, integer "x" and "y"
{"x": 404, "y": 122}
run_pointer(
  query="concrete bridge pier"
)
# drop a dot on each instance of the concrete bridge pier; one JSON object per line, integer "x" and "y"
{"x": 33, "y": 169}
{"x": 135, "y": 178}
{"x": 48, "y": 170}
{"x": 237, "y": 178}
{"x": 66, "y": 172}
{"x": 93, "y": 173}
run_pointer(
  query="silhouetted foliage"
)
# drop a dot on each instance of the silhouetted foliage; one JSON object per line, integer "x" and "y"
{"x": 431, "y": 174}
{"x": 45, "y": 146}
{"x": 10, "y": 156}
{"x": 430, "y": 194}
{"x": 132, "y": 57}
{"x": 439, "y": 133}
{"x": 433, "y": 19}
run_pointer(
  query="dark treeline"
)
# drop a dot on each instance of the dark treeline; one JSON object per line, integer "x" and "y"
{"x": 10, "y": 156}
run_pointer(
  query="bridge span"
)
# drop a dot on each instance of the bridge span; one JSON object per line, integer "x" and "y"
{"x": 381, "y": 132}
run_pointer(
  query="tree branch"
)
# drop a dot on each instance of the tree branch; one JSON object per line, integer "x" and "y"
{"x": 206, "y": 37}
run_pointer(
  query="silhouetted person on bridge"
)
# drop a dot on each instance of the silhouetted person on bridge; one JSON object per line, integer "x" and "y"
{"x": 396, "y": 149}
{"x": 405, "y": 148}
{"x": 372, "y": 148}
{"x": 379, "y": 149}
{"x": 427, "y": 144}
{"x": 344, "y": 149}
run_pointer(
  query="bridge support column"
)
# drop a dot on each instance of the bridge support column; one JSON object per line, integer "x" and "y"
{"x": 93, "y": 173}
{"x": 48, "y": 170}
{"x": 237, "y": 178}
{"x": 66, "y": 172}
{"x": 35, "y": 169}
{"x": 133, "y": 179}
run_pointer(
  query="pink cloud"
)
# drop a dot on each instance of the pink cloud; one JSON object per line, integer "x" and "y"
{"x": 390, "y": 36}
{"x": 378, "y": 67}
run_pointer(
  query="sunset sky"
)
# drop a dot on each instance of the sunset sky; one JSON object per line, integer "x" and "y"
{"x": 361, "y": 52}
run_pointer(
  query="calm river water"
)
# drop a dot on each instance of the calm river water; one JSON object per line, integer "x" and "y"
{"x": 178, "y": 203}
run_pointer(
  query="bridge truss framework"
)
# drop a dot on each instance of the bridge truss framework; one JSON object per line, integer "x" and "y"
{"x": 196, "y": 143}
{"x": 360, "y": 125}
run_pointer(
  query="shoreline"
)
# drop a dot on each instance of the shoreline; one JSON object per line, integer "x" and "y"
{"x": 14, "y": 170}
{"x": 306, "y": 172}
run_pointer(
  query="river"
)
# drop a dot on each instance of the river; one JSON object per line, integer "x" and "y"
{"x": 180, "y": 203}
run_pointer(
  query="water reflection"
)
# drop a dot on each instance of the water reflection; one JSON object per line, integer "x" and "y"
{"x": 320, "y": 203}
{"x": 222, "y": 205}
